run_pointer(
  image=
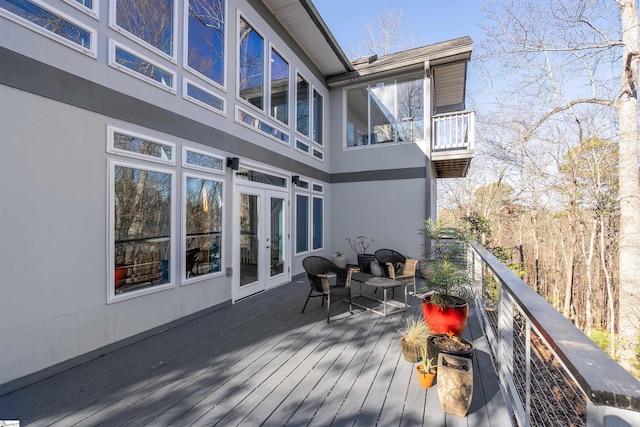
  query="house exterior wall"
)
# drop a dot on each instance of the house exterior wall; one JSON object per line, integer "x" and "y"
{"x": 56, "y": 108}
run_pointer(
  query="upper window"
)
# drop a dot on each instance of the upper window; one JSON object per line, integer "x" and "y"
{"x": 140, "y": 67}
{"x": 205, "y": 51}
{"x": 279, "y": 88}
{"x": 251, "y": 65}
{"x": 131, "y": 144}
{"x": 384, "y": 112}
{"x": 148, "y": 21}
{"x": 302, "y": 105}
{"x": 318, "y": 117}
{"x": 46, "y": 20}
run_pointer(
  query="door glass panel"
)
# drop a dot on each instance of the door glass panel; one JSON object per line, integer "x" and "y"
{"x": 249, "y": 205}
{"x": 277, "y": 238}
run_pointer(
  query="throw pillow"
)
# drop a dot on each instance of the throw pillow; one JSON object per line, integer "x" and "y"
{"x": 376, "y": 270}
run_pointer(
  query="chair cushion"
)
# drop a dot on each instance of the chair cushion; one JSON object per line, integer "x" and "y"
{"x": 376, "y": 270}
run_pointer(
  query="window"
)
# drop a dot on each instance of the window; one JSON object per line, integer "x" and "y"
{"x": 198, "y": 95}
{"x": 302, "y": 105}
{"x": 279, "y": 88}
{"x": 302, "y": 146}
{"x": 90, "y": 7}
{"x": 141, "y": 212}
{"x": 47, "y": 21}
{"x": 317, "y": 222}
{"x": 148, "y": 22}
{"x": 205, "y": 53}
{"x": 130, "y": 144}
{"x": 200, "y": 160}
{"x": 317, "y": 117}
{"x": 385, "y": 112}
{"x": 302, "y": 223}
{"x": 203, "y": 226}
{"x": 140, "y": 67}
{"x": 251, "y": 66}
{"x": 259, "y": 125}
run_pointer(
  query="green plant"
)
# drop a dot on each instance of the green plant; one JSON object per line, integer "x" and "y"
{"x": 427, "y": 362}
{"x": 443, "y": 241}
{"x": 414, "y": 332}
{"x": 360, "y": 244}
{"x": 446, "y": 282}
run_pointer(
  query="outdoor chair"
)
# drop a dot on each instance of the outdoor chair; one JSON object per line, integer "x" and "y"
{"x": 317, "y": 269}
{"x": 396, "y": 266}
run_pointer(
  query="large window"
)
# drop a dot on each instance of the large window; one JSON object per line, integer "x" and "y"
{"x": 318, "y": 117}
{"x": 141, "y": 228}
{"x": 302, "y": 105}
{"x": 302, "y": 223}
{"x": 205, "y": 39}
{"x": 279, "y": 88}
{"x": 318, "y": 222}
{"x": 385, "y": 112}
{"x": 251, "y": 65}
{"x": 148, "y": 21}
{"x": 309, "y": 216}
{"x": 203, "y": 226}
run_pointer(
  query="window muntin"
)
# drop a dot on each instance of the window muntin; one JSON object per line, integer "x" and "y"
{"x": 196, "y": 159}
{"x": 302, "y": 223}
{"x": 205, "y": 48}
{"x": 195, "y": 93}
{"x": 318, "y": 117}
{"x": 148, "y": 21}
{"x": 140, "y": 67}
{"x": 131, "y": 144}
{"x": 51, "y": 23}
{"x": 251, "y": 65}
{"x": 279, "y": 87}
{"x": 384, "y": 112}
{"x": 302, "y": 105}
{"x": 317, "y": 222}
{"x": 203, "y": 226}
{"x": 141, "y": 229}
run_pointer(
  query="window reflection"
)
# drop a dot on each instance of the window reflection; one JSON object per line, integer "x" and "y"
{"x": 149, "y": 20}
{"x": 143, "y": 67}
{"x": 142, "y": 228}
{"x": 279, "y": 88}
{"x": 302, "y": 105}
{"x": 206, "y": 38}
{"x": 317, "y": 117}
{"x": 251, "y": 66}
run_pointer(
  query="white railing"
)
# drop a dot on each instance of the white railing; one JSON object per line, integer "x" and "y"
{"x": 453, "y": 131}
{"x": 550, "y": 372}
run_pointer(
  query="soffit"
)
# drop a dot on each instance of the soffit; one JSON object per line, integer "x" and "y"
{"x": 305, "y": 25}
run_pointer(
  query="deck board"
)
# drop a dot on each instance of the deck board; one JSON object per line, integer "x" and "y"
{"x": 259, "y": 362}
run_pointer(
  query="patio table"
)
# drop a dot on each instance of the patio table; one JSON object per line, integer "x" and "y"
{"x": 385, "y": 284}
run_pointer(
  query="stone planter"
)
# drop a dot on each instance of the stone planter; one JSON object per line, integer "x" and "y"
{"x": 455, "y": 384}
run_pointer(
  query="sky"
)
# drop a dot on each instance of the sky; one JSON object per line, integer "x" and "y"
{"x": 425, "y": 21}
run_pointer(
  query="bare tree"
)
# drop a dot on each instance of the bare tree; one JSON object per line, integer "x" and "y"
{"x": 382, "y": 36}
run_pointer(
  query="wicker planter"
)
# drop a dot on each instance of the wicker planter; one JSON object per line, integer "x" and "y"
{"x": 411, "y": 355}
{"x": 455, "y": 384}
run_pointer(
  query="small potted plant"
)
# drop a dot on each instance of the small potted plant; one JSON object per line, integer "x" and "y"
{"x": 426, "y": 370}
{"x": 339, "y": 259}
{"x": 414, "y": 336}
{"x": 360, "y": 245}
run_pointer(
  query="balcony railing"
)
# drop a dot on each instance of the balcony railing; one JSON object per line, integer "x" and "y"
{"x": 550, "y": 372}
{"x": 452, "y": 143}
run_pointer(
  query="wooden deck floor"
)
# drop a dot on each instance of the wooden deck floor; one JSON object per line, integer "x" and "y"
{"x": 259, "y": 362}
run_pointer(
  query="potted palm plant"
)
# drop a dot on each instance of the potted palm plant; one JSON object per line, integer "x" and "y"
{"x": 426, "y": 370}
{"x": 414, "y": 336}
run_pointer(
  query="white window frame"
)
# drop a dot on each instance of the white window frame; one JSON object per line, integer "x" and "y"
{"x": 302, "y": 192}
{"x": 312, "y": 118}
{"x": 111, "y": 130}
{"x": 272, "y": 48}
{"x": 174, "y": 35}
{"x": 305, "y": 143}
{"x": 184, "y": 280}
{"x": 318, "y": 155}
{"x": 295, "y": 112}
{"x": 185, "y": 95}
{"x": 185, "y": 149}
{"x": 91, "y": 52}
{"x": 92, "y": 12}
{"x": 111, "y": 291}
{"x": 258, "y": 130}
{"x": 185, "y": 49}
{"x": 306, "y": 188}
{"x": 311, "y": 230}
{"x": 265, "y": 59}
{"x": 112, "y": 62}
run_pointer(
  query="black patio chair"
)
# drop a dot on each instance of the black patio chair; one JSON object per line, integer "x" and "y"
{"x": 317, "y": 269}
{"x": 396, "y": 266}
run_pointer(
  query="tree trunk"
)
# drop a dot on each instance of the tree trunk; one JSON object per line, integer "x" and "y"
{"x": 629, "y": 255}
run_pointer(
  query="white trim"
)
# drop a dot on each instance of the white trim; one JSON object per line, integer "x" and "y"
{"x": 185, "y": 49}
{"x": 111, "y": 295}
{"x": 295, "y": 101}
{"x": 93, "y": 37}
{"x": 265, "y": 58}
{"x": 113, "y": 45}
{"x": 111, "y": 149}
{"x": 295, "y": 146}
{"x": 185, "y": 94}
{"x": 320, "y": 191}
{"x": 184, "y": 280}
{"x": 269, "y": 80}
{"x": 202, "y": 168}
{"x": 92, "y": 12}
{"x": 258, "y": 130}
{"x": 313, "y": 155}
{"x": 170, "y": 57}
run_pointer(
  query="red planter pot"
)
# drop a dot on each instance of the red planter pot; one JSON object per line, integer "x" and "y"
{"x": 441, "y": 320}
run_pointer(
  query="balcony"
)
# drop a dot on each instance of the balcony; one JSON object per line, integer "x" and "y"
{"x": 452, "y": 144}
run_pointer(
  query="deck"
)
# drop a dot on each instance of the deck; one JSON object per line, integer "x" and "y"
{"x": 260, "y": 362}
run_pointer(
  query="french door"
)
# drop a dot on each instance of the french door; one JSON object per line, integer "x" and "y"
{"x": 261, "y": 240}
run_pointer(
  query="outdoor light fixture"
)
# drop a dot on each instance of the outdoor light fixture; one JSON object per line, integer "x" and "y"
{"x": 233, "y": 163}
{"x": 295, "y": 179}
